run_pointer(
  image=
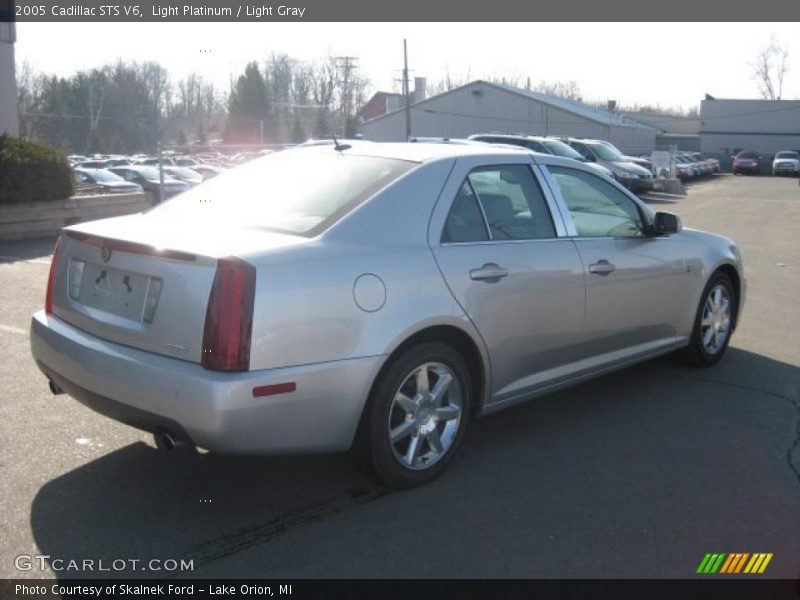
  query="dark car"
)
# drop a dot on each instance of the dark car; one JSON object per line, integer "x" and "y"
{"x": 103, "y": 181}
{"x": 747, "y": 161}
{"x": 148, "y": 178}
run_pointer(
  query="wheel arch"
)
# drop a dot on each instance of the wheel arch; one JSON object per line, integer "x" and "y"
{"x": 736, "y": 279}
{"x": 462, "y": 342}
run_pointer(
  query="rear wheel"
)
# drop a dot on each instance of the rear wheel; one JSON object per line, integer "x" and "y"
{"x": 417, "y": 415}
{"x": 714, "y": 322}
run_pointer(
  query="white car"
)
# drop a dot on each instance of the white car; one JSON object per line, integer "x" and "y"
{"x": 786, "y": 161}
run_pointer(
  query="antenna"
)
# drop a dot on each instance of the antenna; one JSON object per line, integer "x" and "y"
{"x": 338, "y": 146}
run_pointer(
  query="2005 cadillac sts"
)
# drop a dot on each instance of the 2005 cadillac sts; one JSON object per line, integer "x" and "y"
{"x": 374, "y": 297}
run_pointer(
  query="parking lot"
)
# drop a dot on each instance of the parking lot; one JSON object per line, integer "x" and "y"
{"x": 636, "y": 474}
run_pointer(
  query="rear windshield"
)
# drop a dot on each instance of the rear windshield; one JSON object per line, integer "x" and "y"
{"x": 747, "y": 155}
{"x": 298, "y": 192}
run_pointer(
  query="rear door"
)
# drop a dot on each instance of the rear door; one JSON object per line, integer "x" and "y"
{"x": 636, "y": 284}
{"x": 501, "y": 249}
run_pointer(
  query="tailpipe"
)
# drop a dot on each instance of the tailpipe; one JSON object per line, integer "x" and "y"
{"x": 166, "y": 440}
{"x": 54, "y": 387}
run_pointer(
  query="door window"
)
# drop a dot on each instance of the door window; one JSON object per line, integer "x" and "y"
{"x": 598, "y": 208}
{"x": 501, "y": 202}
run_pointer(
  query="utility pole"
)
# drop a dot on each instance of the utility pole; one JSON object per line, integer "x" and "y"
{"x": 406, "y": 91}
{"x": 346, "y": 64}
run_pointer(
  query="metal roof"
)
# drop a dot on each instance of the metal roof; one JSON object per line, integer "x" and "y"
{"x": 598, "y": 115}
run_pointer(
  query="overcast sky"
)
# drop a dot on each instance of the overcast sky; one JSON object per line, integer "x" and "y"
{"x": 671, "y": 64}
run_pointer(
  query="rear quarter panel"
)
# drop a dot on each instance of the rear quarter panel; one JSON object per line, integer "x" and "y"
{"x": 305, "y": 310}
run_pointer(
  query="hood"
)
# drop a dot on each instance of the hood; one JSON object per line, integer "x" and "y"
{"x": 629, "y": 167}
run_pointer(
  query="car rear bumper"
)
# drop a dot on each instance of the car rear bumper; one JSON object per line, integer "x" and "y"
{"x": 213, "y": 410}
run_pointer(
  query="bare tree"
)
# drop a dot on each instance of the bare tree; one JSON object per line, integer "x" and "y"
{"x": 769, "y": 69}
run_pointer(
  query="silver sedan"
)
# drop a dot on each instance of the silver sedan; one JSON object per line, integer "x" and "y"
{"x": 374, "y": 297}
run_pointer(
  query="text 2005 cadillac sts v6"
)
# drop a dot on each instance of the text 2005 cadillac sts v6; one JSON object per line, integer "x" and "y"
{"x": 375, "y": 297}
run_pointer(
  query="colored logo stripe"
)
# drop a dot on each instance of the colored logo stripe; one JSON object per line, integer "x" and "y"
{"x": 734, "y": 562}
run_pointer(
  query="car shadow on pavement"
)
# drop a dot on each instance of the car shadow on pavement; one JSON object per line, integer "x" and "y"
{"x": 658, "y": 461}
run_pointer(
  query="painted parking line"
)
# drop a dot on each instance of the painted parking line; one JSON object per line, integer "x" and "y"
{"x": 12, "y": 329}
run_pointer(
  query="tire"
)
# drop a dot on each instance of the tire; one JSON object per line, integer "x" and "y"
{"x": 429, "y": 427}
{"x": 711, "y": 332}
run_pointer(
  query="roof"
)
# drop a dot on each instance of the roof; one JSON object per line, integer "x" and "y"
{"x": 576, "y": 107}
{"x": 416, "y": 151}
{"x": 600, "y": 115}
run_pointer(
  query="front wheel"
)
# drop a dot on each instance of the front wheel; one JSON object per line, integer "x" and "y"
{"x": 416, "y": 416}
{"x": 713, "y": 323}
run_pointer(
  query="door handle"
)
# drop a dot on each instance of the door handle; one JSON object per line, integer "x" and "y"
{"x": 487, "y": 272}
{"x": 602, "y": 267}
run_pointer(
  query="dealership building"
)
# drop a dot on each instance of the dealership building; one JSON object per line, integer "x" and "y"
{"x": 765, "y": 126}
{"x": 484, "y": 107}
{"x": 8, "y": 82}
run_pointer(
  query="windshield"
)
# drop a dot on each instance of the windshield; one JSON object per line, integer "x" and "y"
{"x": 794, "y": 155}
{"x": 747, "y": 155}
{"x": 605, "y": 153}
{"x": 561, "y": 149}
{"x": 296, "y": 191}
{"x": 104, "y": 176}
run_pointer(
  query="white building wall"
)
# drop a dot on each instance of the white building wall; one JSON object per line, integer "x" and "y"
{"x": 8, "y": 82}
{"x": 481, "y": 108}
{"x": 765, "y": 126}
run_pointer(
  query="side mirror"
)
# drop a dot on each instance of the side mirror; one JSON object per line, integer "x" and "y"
{"x": 666, "y": 223}
{"x": 591, "y": 158}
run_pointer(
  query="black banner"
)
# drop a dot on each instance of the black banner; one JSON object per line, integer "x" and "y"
{"x": 178, "y": 589}
{"x": 408, "y": 10}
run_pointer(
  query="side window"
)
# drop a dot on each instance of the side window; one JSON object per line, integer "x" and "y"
{"x": 598, "y": 209}
{"x": 582, "y": 150}
{"x": 465, "y": 222}
{"x": 513, "y": 202}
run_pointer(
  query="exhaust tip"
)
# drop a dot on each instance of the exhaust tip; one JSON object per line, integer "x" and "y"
{"x": 54, "y": 388}
{"x": 165, "y": 440}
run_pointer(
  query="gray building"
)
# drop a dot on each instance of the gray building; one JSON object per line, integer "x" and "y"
{"x": 483, "y": 107}
{"x": 765, "y": 126}
{"x": 8, "y": 82}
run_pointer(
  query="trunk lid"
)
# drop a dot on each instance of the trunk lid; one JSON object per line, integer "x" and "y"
{"x": 144, "y": 282}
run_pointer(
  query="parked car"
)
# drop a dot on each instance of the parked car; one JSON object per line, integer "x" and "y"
{"x": 149, "y": 178}
{"x": 747, "y": 161}
{"x": 643, "y": 162}
{"x": 544, "y": 145}
{"x": 93, "y": 164}
{"x": 684, "y": 167}
{"x": 103, "y": 181}
{"x": 154, "y": 161}
{"x": 786, "y": 162}
{"x": 376, "y": 305}
{"x": 207, "y": 171}
{"x": 185, "y": 174}
{"x": 635, "y": 178}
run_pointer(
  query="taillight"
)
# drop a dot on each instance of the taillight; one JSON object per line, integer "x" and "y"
{"x": 48, "y": 298}
{"x": 229, "y": 317}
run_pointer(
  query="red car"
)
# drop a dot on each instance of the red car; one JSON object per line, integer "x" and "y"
{"x": 747, "y": 161}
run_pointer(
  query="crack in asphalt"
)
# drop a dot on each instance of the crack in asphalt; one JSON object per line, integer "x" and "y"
{"x": 795, "y": 404}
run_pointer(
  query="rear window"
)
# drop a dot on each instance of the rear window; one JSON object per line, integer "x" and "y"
{"x": 295, "y": 191}
{"x": 747, "y": 155}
